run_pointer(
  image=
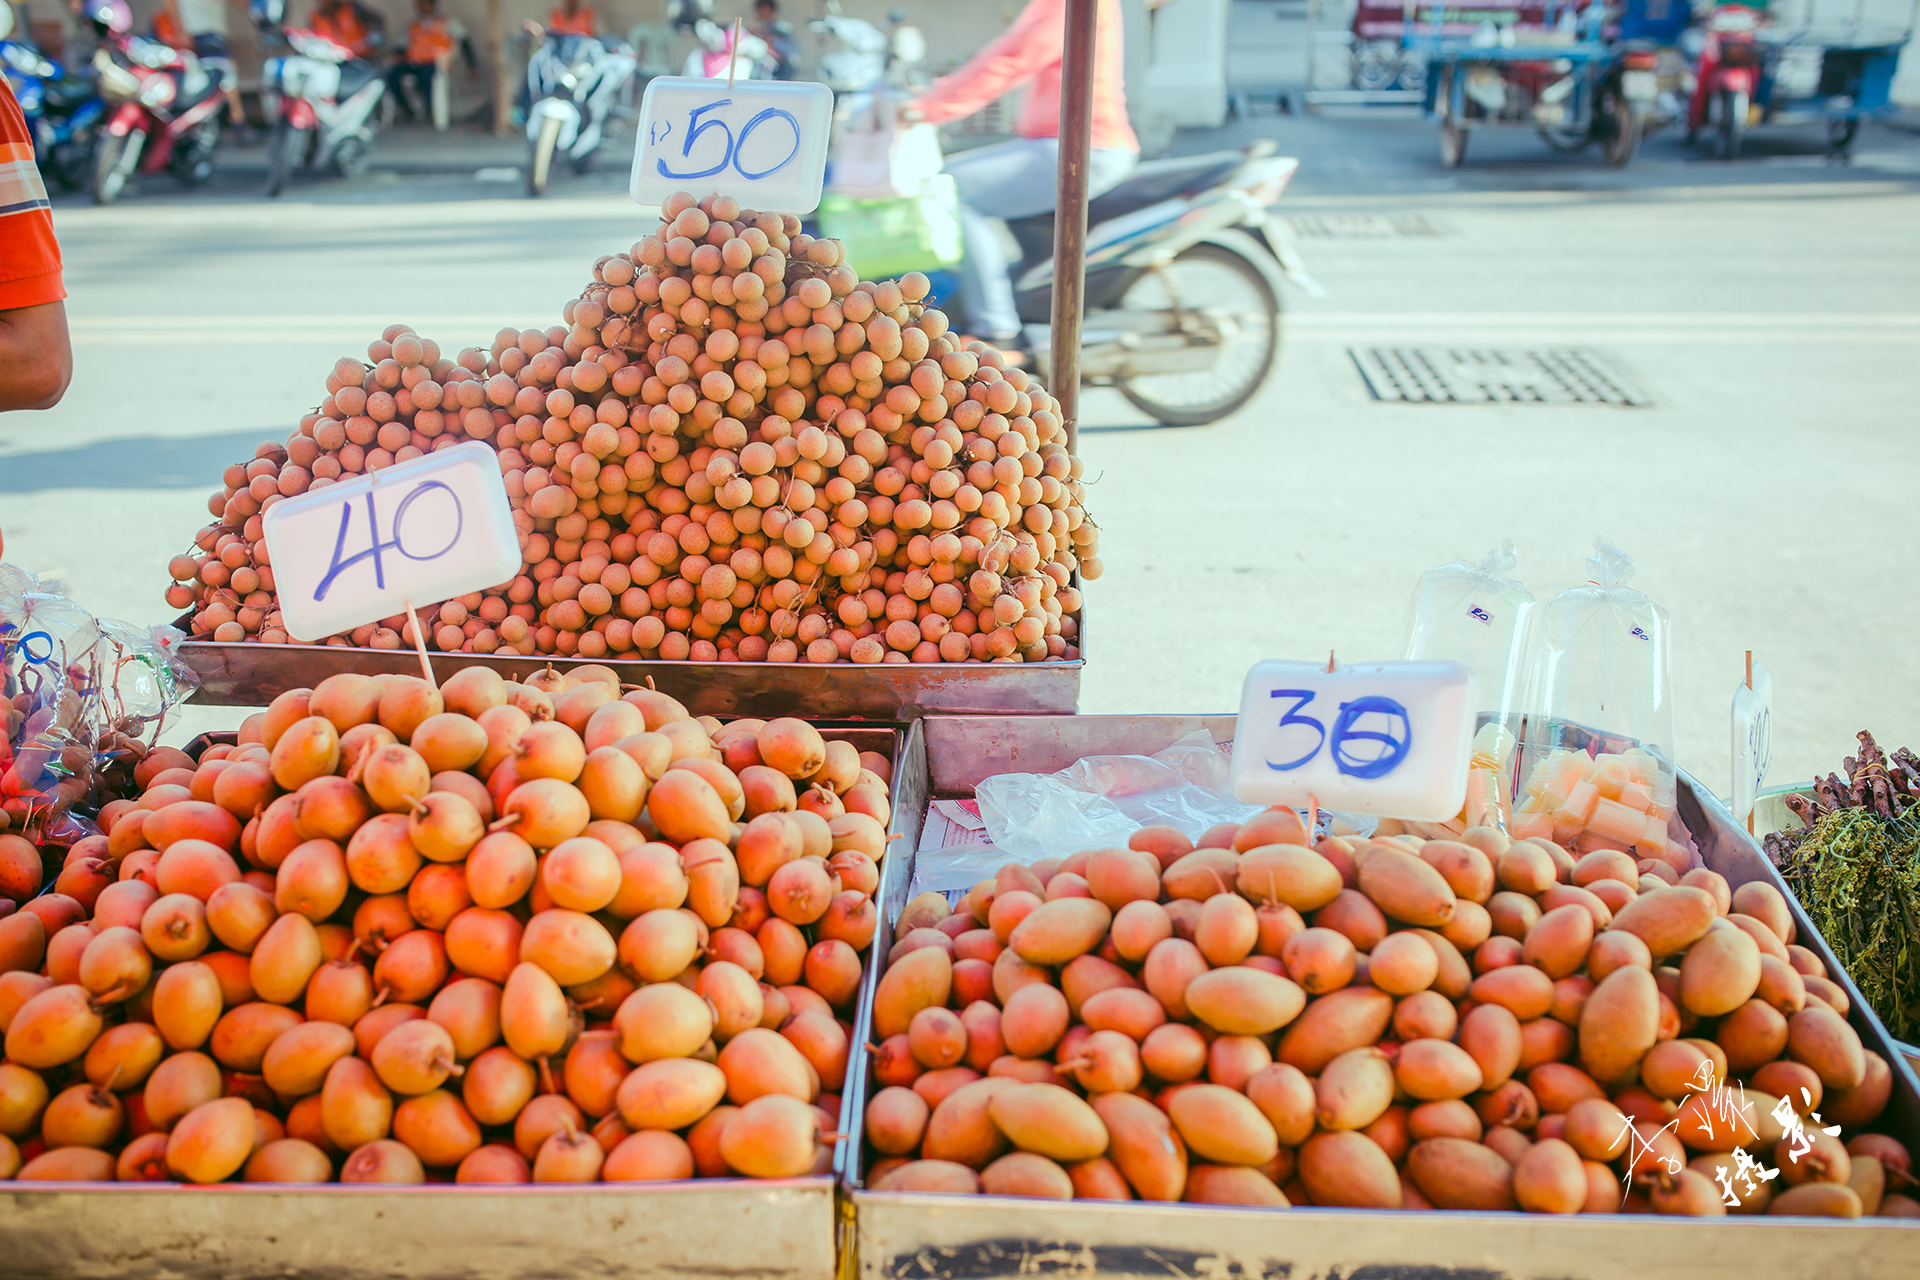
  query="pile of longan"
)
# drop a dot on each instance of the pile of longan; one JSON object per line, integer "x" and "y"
{"x": 734, "y": 450}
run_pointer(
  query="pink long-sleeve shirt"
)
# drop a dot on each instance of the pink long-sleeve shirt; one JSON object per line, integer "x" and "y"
{"x": 1030, "y": 51}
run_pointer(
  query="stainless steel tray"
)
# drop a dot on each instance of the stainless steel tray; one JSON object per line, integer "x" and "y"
{"x": 899, "y": 1234}
{"x": 252, "y": 675}
{"x": 119, "y": 1231}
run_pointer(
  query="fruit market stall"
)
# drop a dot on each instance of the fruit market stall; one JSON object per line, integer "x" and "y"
{"x": 1342, "y": 1027}
{"x": 310, "y": 950}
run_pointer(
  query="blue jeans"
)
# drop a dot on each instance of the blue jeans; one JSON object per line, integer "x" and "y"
{"x": 1014, "y": 179}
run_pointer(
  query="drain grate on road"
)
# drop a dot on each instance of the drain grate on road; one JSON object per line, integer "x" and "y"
{"x": 1456, "y": 375}
{"x": 1363, "y": 226}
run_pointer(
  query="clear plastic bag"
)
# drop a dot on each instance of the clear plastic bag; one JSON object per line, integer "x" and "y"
{"x": 1600, "y": 667}
{"x": 80, "y": 696}
{"x": 1476, "y": 614}
{"x": 1096, "y": 803}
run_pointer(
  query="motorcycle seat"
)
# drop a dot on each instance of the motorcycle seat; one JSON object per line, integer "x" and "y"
{"x": 1157, "y": 180}
{"x": 355, "y": 74}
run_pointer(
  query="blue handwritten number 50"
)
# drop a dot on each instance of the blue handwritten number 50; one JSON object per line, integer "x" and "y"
{"x": 1391, "y": 749}
{"x": 697, "y": 126}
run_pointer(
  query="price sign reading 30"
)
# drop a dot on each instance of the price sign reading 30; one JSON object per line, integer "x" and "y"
{"x": 1391, "y": 738}
{"x": 425, "y": 530}
{"x": 763, "y": 142}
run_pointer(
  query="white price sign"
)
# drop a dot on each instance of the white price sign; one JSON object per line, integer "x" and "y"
{"x": 1391, "y": 738}
{"x": 763, "y": 142}
{"x": 1752, "y": 741}
{"x": 425, "y": 530}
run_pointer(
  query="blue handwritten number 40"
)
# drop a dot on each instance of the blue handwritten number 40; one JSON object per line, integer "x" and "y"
{"x": 337, "y": 566}
{"x": 697, "y": 126}
{"x": 1391, "y": 750}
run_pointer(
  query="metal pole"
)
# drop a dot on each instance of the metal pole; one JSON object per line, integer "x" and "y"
{"x": 1070, "y": 208}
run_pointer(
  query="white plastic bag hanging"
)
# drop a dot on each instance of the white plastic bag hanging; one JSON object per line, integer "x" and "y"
{"x": 1600, "y": 667}
{"x": 878, "y": 158}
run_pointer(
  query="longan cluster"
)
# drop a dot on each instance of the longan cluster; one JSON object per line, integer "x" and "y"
{"x": 733, "y": 450}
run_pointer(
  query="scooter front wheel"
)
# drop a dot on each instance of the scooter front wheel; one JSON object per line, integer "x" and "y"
{"x": 1734, "y": 108}
{"x": 113, "y": 165}
{"x": 284, "y": 152}
{"x": 1232, "y": 293}
{"x": 540, "y": 161}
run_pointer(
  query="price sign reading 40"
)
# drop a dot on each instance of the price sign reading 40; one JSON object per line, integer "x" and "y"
{"x": 423, "y": 531}
{"x": 763, "y": 142}
{"x": 1392, "y": 738}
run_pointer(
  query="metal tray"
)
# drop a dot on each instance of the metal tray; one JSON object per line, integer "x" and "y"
{"x": 123, "y": 1231}
{"x": 902, "y": 1234}
{"x": 252, "y": 675}
{"x": 787, "y": 1229}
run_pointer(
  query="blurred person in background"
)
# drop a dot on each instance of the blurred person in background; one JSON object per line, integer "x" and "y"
{"x": 1016, "y": 179}
{"x": 201, "y": 25}
{"x": 349, "y": 23}
{"x": 429, "y": 50}
{"x": 36, "y": 359}
{"x": 778, "y": 36}
{"x": 572, "y": 18}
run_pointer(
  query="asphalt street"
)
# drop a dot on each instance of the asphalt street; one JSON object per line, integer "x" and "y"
{"x": 1765, "y": 308}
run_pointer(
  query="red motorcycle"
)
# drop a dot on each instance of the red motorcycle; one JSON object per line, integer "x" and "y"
{"x": 163, "y": 111}
{"x": 1727, "y": 78}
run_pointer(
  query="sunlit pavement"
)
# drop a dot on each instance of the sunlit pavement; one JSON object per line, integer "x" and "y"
{"x": 1767, "y": 308}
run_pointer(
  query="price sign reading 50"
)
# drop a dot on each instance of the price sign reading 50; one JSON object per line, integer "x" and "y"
{"x": 1391, "y": 738}
{"x": 425, "y": 531}
{"x": 763, "y": 142}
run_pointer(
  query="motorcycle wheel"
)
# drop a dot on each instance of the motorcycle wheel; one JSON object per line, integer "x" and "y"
{"x": 1840, "y": 134}
{"x": 351, "y": 158}
{"x": 1733, "y": 123}
{"x": 1219, "y": 280}
{"x": 540, "y": 159}
{"x": 194, "y": 163}
{"x": 1623, "y": 130}
{"x": 1453, "y": 145}
{"x": 284, "y": 152}
{"x": 108, "y": 180}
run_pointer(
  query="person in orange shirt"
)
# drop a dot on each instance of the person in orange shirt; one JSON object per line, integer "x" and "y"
{"x": 168, "y": 27}
{"x": 36, "y": 359}
{"x": 572, "y": 19}
{"x": 1016, "y": 179}
{"x": 351, "y": 24}
{"x": 429, "y": 50}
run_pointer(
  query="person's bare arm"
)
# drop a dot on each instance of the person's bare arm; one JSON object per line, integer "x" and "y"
{"x": 36, "y": 358}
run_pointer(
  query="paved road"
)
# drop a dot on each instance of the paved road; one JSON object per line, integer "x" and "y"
{"x": 1767, "y": 308}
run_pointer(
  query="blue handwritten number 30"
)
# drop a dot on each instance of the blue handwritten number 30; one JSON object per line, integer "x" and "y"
{"x": 697, "y": 126}
{"x": 337, "y": 566}
{"x": 1391, "y": 751}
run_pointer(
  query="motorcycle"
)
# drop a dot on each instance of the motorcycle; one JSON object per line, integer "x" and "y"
{"x": 573, "y": 81}
{"x": 62, "y": 110}
{"x": 1185, "y": 260}
{"x": 861, "y": 56}
{"x": 1732, "y": 62}
{"x": 321, "y": 99}
{"x": 163, "y": 113}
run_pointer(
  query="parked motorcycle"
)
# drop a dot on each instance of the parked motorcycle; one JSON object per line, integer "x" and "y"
{"x": 1185, "y": 260}
{"x": 1727, "y": 77}
{"x": 322, "y": 100}
{"x": 62, "y": 110}
{"x": 573, "y": 82}
{"x": 163, "y": 109}
{"x": 861, "y": 56}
